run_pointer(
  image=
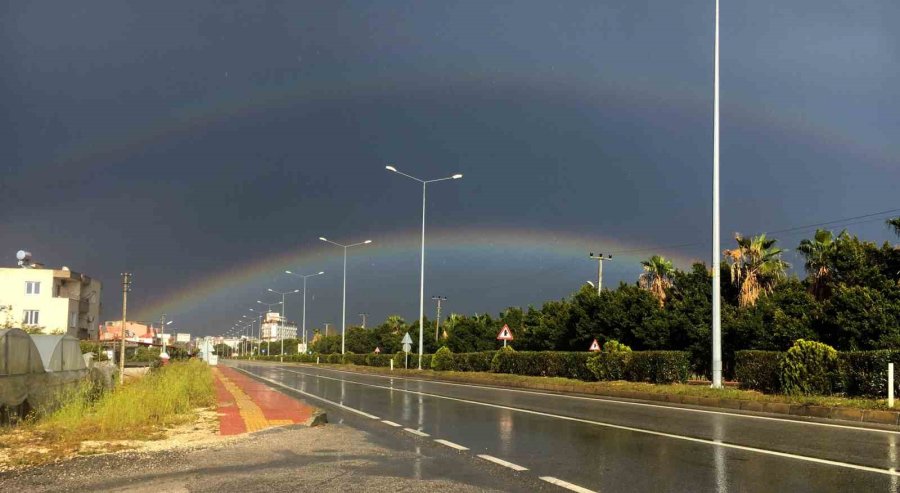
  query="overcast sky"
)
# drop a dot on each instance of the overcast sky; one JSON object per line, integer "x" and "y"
{"x": 183, "y": 141}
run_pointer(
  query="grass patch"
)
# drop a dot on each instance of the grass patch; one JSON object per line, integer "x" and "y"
{"x": 571, "y": 385}
{"x": 138, "y": 410}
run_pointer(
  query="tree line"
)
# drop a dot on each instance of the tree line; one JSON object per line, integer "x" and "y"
{"x": 848, "y": 298}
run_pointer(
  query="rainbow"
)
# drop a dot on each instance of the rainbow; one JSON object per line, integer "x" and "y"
{"x": 479, "y": 241}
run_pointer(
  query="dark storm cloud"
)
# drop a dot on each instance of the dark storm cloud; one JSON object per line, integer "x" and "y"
{"x": 180, "y": 140}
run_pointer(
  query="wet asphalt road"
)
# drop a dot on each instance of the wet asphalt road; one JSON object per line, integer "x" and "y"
{"x": 608, "y": 445}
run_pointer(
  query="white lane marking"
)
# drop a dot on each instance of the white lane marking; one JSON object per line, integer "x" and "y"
{"x": 338, "y": 404}
{"x": 451, "y": 444}
{"x": 514, "y": 467}
{"x": 625, "y": 403}
{"x": 416, "y": 432}
{"x": 565, "y": 484}
{"x": 391, "y": 423}
{"x": 704, "y": 441}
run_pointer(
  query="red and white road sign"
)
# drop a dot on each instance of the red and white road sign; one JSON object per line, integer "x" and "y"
{"x": 595, "y": 346}
{"x": 505, "y": 334}
{"x": 377, "y": 350}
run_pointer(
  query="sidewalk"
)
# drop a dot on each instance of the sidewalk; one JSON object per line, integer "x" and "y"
{"x": 247, "y": 405}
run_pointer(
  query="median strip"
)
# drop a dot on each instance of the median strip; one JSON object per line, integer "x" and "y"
{"x": 491, "y": 458}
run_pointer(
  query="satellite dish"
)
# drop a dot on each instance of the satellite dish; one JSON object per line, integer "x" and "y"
{"x": 66, "y": 268}
{"x": 23, "y": 255}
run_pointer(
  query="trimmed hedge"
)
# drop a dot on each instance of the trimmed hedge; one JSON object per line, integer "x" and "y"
{"x": 480, "y": 361}
{"x": 442, "y": 360}
{"x": 864, "y": 373}
{"x": 609, "y": 366}
{"x": 543, "y": 364}
{"x": 758, "y": 370}
{"x": 658, "y": 366}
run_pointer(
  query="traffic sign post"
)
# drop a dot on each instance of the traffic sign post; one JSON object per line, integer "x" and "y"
{"x": 407, "y": 347}
{"x": 505, "y": 335}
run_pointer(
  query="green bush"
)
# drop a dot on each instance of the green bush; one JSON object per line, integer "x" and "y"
{"x": 809, "y": 367}
{"x": 658, "y": 366}
{"x": 503, "y": 362}
{"x": 758, "y": 370}
{"x": 479, "y": 361}
{"x": 864, "y": 373}
{"x": 334, "y": 359}
{"x": 373, "y": 359}
{"x": 443, "y": 360}
{"x": 614, "y": 346}
{"x": 609, "y": 366}
{"x": 542, "y": 363}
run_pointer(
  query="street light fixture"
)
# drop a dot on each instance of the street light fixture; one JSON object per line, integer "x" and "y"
{"x": 422, "y": 256}
{"x": 281, "y": 330}
{"x": 344, "y": 304}
{"x": 304, "y": 296}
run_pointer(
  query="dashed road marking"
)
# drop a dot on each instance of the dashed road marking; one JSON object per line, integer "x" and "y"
{"x": 391, "y": 423}
{"x": 451, "y": 444}
{"x": 514, "y": 467}
{"x": 565, "y": 484}
{"x": 621, "y": 402}
{"x": 416, "y": 432}
{"x": 717, "y": 443}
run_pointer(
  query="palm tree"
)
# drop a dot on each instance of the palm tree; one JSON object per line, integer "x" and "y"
{"x": 657, "y": 276}
{"x": 755, "y": 266}
{"x": 894, "y": 224}
{"x": 818, "y": 253}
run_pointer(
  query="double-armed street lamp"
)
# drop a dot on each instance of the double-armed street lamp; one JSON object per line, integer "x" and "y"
{"x": 281, "y": 330}
{"x": 304, "y": 276}
{"x": 344, "y": 303}
{"x": 422, "y": 255}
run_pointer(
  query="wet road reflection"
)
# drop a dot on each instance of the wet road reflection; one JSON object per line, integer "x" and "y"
{"x": 614, "y": 446}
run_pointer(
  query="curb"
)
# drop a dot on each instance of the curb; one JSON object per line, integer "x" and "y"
{"x": 869, "y": 416}
{"x": 319, "y": 418}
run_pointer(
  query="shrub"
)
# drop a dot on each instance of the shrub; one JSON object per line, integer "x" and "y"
{"x": 865, "y": 372}
{"x": 373, "y": 359}
{"x": 614, "y": 346}
{"x": 443, "y": 360}
{"x": 758, "y": 370}
{"x": 809, "y": 367}
{"x": 480, "y": 361}
{"x": 502, "y": 362}
{"x": 609, "y": 365}
{"x": 335, "y": 358}
{"x": 658, "y": 366}
{"x": 542, "y": 363}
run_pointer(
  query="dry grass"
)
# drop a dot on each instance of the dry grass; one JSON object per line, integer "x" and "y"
{"x": 140, "y": 410}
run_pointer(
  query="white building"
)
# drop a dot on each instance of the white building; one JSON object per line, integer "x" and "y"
{"x": 274, "y": 329}
{"x": 53, "y": 301}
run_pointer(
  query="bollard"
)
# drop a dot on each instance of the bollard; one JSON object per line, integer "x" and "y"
{"x": 317, "y": 360}
{"x": 891, "y": 385}
{"x": 392, "y": 364}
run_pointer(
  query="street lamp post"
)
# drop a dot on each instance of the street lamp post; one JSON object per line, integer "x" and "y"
{"x": 716, "y": 274}
{"x": 281, "y": 330}
{"x": 344, "y": 303}
{"x": 422, "y": 255}
{"x": 304, "y": 296}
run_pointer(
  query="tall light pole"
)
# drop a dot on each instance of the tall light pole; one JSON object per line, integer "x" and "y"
{"x": 126, "y": 287}
{"x": 269, "y": 336}
{"x": 281, "y": 330}
{"x": 716, "y": 281}
{"x": 259, "y": 328}
{"x": 344, "y": 305}
{"x": 422, "y": 255}
{"x": 304, "y": 295}
{"x": 162, "y": 331}
{"x": 599, "y": 258}
{"x": 437, "y": 322}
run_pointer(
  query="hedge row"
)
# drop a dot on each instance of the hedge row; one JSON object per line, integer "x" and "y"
{"x": 642, "y": 366}
{"x": 857, "y": 373}
{"x": 543, "y": 364}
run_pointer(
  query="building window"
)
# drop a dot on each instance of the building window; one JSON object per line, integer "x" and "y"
{"x": 32, "y": 287}
{"x": 31, "y": 317}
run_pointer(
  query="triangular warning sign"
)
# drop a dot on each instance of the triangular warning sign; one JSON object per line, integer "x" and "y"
{"x": 595, "y": 346}
{"x": 377, "y": 350}
{"x": 505, "y": 334}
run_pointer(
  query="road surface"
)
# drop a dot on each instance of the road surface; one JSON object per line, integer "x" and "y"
{"x": 596, "y": 444}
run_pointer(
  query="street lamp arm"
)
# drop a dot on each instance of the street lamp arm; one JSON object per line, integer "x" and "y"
{"x": 454, "y": 177}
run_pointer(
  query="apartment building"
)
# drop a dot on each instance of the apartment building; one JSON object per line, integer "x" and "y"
{"x": 52, "y": 301}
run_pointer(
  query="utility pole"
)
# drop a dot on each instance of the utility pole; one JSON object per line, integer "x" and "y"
{"x": 326, "y": 328}
{"x": 126, "y": 287}
{"x": 599, "y": 258}
{"x": 363, "y": 315}
{"x": 437, "y": 323}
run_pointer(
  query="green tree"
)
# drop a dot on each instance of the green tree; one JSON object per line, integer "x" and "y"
{"x": 755, "y": 266}
{"x": 894, "y": 224}
{"x": 818, "y": 253}
{"x": 657, "y": 276}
